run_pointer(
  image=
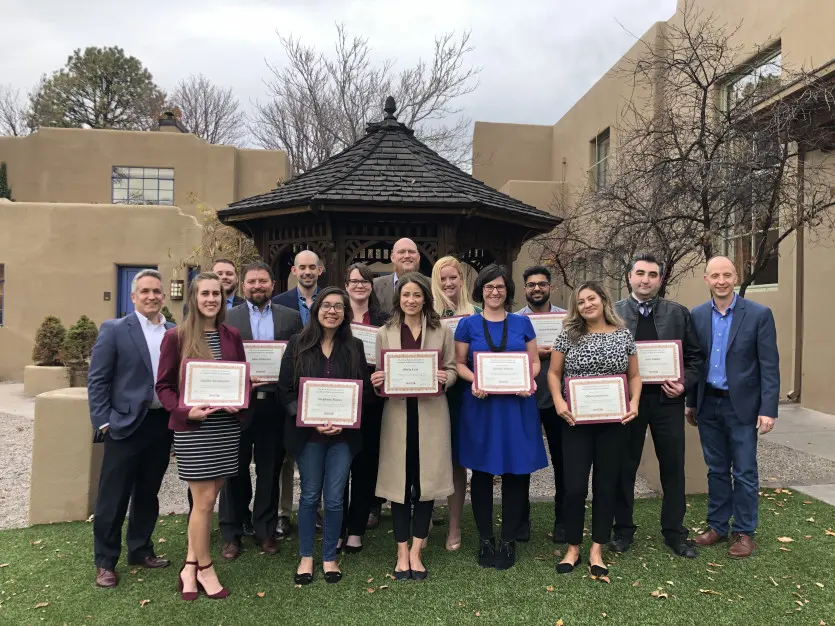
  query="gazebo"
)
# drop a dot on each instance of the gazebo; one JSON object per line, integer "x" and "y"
{"x": 388, "y": 185}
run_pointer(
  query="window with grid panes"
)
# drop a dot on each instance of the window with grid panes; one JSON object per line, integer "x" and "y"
{"x": 143, "y": 185}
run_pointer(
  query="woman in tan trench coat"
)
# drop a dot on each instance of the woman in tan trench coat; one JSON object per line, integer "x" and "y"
{"x": 415, "y": 449}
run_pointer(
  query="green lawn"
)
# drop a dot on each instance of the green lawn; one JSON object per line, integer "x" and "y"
{"x": 51, "y": 567}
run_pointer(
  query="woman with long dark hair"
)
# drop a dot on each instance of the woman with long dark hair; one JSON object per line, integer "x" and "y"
{"x": 593, "y": 342}
{"x": 324, "y": 349}
{"x": 206, "y": 439}
{"x": 359, "y": 494}
{"x": 501, "y": 435}
{"x": 415, "y": 446}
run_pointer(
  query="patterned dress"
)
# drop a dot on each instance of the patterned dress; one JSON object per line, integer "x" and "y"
{"x": 211, "y": 451}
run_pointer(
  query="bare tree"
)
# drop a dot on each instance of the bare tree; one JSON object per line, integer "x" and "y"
{"x": 210, "y": 111}
{"x": 12, "y": 112}
{"x": 321, "y": 104}
{"x": 218, "y": 240}
{"x": 710, "y": 158}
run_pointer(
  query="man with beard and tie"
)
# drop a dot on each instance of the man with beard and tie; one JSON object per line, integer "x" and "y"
{"x": 259, "y": 320}
{"x": 125, "y": 409}
{"x": 405, "y": 258}
{"x": 307, "y": 268}
{"x": 652, "y": 318}
{"x": 538, "y": 295}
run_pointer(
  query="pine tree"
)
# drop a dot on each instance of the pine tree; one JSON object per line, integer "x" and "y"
{"x": 49, "y": 341}
{"x": 78, "y": 346}
{"x": 5, "y": 190}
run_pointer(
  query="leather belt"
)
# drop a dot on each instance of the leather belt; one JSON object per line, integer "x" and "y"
{"x": 717, "y": 393}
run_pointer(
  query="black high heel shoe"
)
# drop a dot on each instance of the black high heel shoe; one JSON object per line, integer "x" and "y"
{"x": 567, "y": 568}
{"x": 598, "y": 570}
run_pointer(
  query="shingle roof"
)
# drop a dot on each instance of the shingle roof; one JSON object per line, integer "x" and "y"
{"x": 389, "y": 166}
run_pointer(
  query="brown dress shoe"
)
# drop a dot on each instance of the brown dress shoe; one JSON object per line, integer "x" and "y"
{"x": 152, "y": 562}
{"x": 268, "y": 546}
{"x": 231, "y": 550}
{"x": 106, "y": 577}
{"x": 709, "y": 538}
{"x": 742, "y": 546}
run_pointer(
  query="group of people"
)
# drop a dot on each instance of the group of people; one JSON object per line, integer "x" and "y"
{"x": 412, "y": 451}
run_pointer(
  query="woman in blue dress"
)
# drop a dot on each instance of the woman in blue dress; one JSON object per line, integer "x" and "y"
{"x": 499, "y": 435}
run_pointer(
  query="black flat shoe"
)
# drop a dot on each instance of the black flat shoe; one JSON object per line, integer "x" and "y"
{"x": 506, "y": 555}
{"x": 487, "y": 552}
{"x": 402, "y": 575}
{"x": 303, "y": 579}
{"x": 351, "y": 549}
{"x": 598, "y": 570}
{"x": 683, "y": 548}
{"x": 619, "y": 545}
{"x": 567, "y": 568}
{"x": 418, "y": 575}
{"x": 332, "y": 577}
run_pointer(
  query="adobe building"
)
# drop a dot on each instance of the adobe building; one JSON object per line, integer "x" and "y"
{"x": 92, "y": 207}
{"x": 533, "y": 163}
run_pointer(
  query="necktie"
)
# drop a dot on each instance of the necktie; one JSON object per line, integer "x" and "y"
{"x": 645, "y": 308}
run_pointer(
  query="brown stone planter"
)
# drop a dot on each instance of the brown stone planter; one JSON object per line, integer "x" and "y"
{"x": 38, "y": 379}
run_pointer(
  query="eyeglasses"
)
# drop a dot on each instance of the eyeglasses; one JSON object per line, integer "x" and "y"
{"x": 496, "y": 288}
{"x": 338, "y": 307}
{"x": 356, "y": 283}
{"x": 542, "y": 285}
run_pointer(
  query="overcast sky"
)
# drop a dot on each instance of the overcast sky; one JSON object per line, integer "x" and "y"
{"x": 538, "y": 56}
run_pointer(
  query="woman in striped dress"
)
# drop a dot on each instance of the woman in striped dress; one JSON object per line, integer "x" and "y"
{"x": 206, "y": 439}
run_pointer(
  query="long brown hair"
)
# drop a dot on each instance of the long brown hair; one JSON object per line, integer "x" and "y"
{"x": 433, "y": 320}
{"x": 575, "y": 325}
{"x": 193, "y": 344}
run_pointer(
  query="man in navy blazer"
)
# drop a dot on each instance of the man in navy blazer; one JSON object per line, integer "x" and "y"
{"x": 736, "y": 397}
{"x": 125, "y": 409}
{"x": 307, "y": 268}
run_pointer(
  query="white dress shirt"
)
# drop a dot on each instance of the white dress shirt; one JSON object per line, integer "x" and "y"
{"x": 153, "y": 337}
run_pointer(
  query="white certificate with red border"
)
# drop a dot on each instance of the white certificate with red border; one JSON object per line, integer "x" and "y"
{"x": 546, "y": 326}
{"x": 215, "y": 384}
{"x": 368, "y": 335}
{"x": 329, "y": 401}
{"x": 264, "y": 358}
{"x": 597, "y": 399}
{"x": 659, "y": 361}
{"x": 452, "y": 322}
{"x": 503, "y": 372}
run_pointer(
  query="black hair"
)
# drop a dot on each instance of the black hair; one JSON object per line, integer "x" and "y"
{"x": 257, "y": 265}
{"x": 536, "y": 269}
{"x": 374, "y": 309}
{"x": 649, "y": 258}
{"x": 398, "y": 318}
{"x": 490, "y": 273}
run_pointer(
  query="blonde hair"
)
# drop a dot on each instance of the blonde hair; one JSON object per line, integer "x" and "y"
{"x": 575, "y": 325}
{"x": 442, "y": 302}
{"x": 193, "y": 344}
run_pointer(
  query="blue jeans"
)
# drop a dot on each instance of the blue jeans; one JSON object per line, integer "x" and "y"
{"x": 730, "y": 448}
{"x": 323, "y": 472}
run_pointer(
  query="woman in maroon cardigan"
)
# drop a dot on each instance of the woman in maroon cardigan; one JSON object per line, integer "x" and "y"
{"x": 206, "y": 439}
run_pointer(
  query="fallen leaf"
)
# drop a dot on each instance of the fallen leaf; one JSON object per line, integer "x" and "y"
{"x": 384, "y": 587}
{"x": 819, "y": 585}
{"x": 371, "y": 590}
{"x": 636, "y": 584}
{"x": 773, "y": 582}
{"x": 799, "y": 603}
{"x": 715, "y": 564}
{"x": 559, "y": 622}
{"x": 478, "y": 613}
{"x": 810, "y": 519}
{"x": 41, "y": 605}
{"x": 830, "y": 532}
{"x": 808, "y": 537}
{"x": 549, "y": 588}
{"x": 670, "y": 582}
{"x": 604, "y": 615}
{"x": 370, "y": 580}
{"x": 710, "y": 571}
{"x": 807, "y": 502}
{"x": 785, "y": 539}
{"x": 134, "y": 571}
{"x": 143, "y": 602}
{"x": 783, "y": 549}
{"x": 260, "y": 594}
{"x": 778, "y": 490}
{"x": 162, "y": 540}
{"x": 709, "y": 592}
{"x": 35, "y": 543}
{"x": 4, "y": 564}
{"x": 659, "y": 593}
{"x": 822, "y": 623}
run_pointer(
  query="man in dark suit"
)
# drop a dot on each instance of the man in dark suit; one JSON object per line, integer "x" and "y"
{"x": 405, "y": 258}
{"x": 257, "y": 320}
{"x": 652, "y": 318}
{"x": 736, "y": 397}
{"x": 307, "y": 268}
{"x": 137, "y": 443}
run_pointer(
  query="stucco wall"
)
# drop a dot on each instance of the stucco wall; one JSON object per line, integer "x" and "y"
{"x": 503, "y": 152}
{"x": 60, "y": 259}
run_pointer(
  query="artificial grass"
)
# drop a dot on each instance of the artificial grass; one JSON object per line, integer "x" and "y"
{"x": 54, "y": 564}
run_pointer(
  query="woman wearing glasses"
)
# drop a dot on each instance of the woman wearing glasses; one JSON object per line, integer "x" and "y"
{"x": 500, "y": 434}
{"x": 324, "y": 349}
{"x": 359, "y": 493}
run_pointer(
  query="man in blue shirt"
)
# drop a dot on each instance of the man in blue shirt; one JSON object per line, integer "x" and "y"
{"x": 307, "y": 268}
{"x": 225, "y": 269}
{"x": 735, "y": 399}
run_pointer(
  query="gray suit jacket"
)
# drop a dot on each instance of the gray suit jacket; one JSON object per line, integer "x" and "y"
{"x": 120, "y": 382}
{"x": 384, "y": 288}
{"x": 286, "y": 321}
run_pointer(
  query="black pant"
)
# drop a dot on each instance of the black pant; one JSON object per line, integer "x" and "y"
{"x": 584, "y": 446}
{"x": 132, "y": 470}
{"x": 264, "y": 433}
{"x": 359, "y": 494}
{"x": 406, "y": 522}
{"x": 553, "y": 434}
{"x": 515, "y": 489}
{"x": 666, "y": 423}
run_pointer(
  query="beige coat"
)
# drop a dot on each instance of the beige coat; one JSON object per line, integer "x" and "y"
{"x": 433, "y": 426}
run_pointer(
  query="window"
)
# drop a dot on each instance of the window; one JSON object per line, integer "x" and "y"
{"x": 755, "y": 80}
{"x": 599, "y": 169}
{"x": 2, "y": 290}
{"x": 744, "y": 241}
{"x": 143, "y": 185}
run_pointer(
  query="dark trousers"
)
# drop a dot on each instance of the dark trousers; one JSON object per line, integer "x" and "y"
{"x": 730, "y": 450}
{"x": 585, "y": 446}
{"x": 552, "y": 423}
{"x": 265, "y": 434}
{"x": 515, "y": 489}
{"x": 666, "y": 423}
{"x": 359, "y": 494}
{"x": 412, "y": 518}
{"x": 132, "y": 471}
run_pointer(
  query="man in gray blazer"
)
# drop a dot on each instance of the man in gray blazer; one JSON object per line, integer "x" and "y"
{"x": 260, "y": 320}
{"x": 405, "y": 258}
{"x": 124, "y": 408}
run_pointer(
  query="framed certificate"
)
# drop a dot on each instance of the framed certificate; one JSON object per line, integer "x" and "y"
{"x": 452, "y": 322}
{"x": 659, "y": 361}
{"x": 368, "y": 335}
{"x": 503, "y": 372}
{"x": 597, "y": 399}
{"x": 411, "y": 373}
{"x": 546, "y": 326}
{"x": 215, "y": 384}
{"x": 334, "y": 401}
{"x": 264, "y": 358}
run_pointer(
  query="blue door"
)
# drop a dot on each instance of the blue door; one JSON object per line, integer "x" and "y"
{"x": 124, "y": 305}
